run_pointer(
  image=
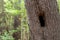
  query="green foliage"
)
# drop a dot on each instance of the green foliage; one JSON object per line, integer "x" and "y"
{"x": 6, "y": 36}
{"x": 58, "y": 4}
{"x": 14, "y": 8}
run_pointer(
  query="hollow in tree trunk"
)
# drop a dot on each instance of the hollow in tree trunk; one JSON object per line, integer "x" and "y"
{"x": 44, "y": 21}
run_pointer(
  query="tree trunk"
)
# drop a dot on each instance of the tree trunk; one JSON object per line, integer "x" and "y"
{"x": 44, "y": 21}
{"x": 1, "y": 6}
{"x": 17, "y": 21}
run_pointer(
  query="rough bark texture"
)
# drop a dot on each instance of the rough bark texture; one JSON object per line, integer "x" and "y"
{"x": 49, "y": 11}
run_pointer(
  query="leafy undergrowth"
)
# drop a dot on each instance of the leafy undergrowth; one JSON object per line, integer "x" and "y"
{"x": 14, "y": 20}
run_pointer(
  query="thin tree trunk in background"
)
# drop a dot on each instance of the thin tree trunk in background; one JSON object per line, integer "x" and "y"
{"x": 17, "y": 35}
{"x": 1, "y": 15}
{"x": 1, "y": 6}
{"x": 44, "y": 21}
{"x": 2, "y": 18}
{"x": 17, "y": 21}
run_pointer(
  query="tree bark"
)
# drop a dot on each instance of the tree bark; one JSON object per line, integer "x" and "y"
{"x": 44, "y": 21}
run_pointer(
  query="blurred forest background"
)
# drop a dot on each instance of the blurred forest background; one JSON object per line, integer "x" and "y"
{"x": 13, "y": 21}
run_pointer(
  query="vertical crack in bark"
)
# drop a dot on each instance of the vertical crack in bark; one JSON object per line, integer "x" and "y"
{"x": 43, "y": 36}
{"x": 42, "y": 21}
{"x": 41, "y": 14}
{"x": 32, "y": 35}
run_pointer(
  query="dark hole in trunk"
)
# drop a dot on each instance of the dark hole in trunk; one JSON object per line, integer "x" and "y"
{"x": 42, "y": 21}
